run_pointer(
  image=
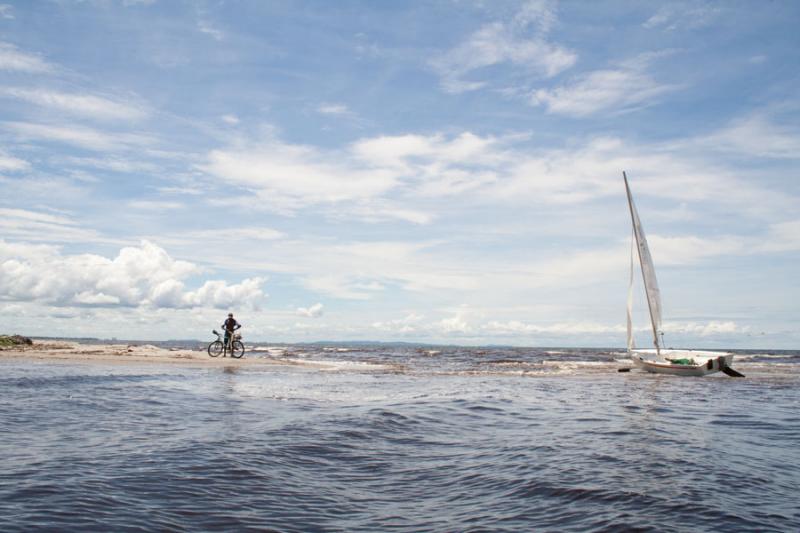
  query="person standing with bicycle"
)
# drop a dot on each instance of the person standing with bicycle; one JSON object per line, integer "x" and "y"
{"x": 230, "y": 325}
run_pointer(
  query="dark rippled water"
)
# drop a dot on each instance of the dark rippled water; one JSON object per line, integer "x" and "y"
{"x": 400, "y": 439}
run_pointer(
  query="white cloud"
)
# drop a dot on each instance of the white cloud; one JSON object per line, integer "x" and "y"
{"x": 454, "y": 324}
{"x": 34, "y": 216}
{"x": 220, "y": 295}
{"x": 85, "y": 105}
{"x": 80, "y": 136}
{"x": 116, "y": 164}
{"x": 155, "y": 205}
{"x": 292, "y": 176}
{"x": 190, "y": 191}
{"x": 314, "y": 311}
{"x": 238, "y": 234}
{"x": 205, "y": 27}
{"x": 460, "y": 325}
{"x": 12, "y": 164}
{"x": 139, "y": 276}
{"x": 470, "y": 323}
{"x": 683, "y": 16}
{"x": 517, "y": 327}
{"x": 401, "y": 152}
{"x": 707, "y": 329}
{"x": 379, "y": 177}
{"x": 690, "y": 249}
{"x": 11, "y": 58}
{"x": 6, "y": 11}
{"x": 411, "y": 323}
{"x": 367, "y": 270}
{"x": 520, "y": 41}
{"x": 339, "y": 284}
{"x": 627, "y": 86}
{"x": 757, "y": 135}
{"x": 782, "y": 237}
{"x": 333, "y": 109}
{"x": 288, "y": 177}
{"x": 380, "y": 210}
{"x": 230, "y": 119}
{"x": 38, "y": 226}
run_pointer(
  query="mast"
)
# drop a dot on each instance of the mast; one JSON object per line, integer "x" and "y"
{"x": 645, "y": 277}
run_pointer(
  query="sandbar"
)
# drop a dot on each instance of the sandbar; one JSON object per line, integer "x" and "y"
{"x": 125, "y": 353}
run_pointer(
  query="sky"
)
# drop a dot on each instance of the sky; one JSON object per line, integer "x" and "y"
{"x": 447, "y": 171}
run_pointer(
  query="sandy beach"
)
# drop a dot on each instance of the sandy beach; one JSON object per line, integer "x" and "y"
{"x": 124, "y": 353}
{"x": 75, "y": 352}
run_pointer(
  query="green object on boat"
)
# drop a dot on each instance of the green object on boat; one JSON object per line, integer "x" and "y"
{"x": 684, "y": 361}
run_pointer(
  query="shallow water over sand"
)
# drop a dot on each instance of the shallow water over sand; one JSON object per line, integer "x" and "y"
{"x": 399, "y": 440}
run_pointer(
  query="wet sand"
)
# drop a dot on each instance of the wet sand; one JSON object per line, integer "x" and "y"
{"x": 74, "y": 352}
{"x": 124, "y": 353}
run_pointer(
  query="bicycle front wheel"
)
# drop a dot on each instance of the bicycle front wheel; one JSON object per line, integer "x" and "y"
{"x": 237, "y": 350}
{"x": 215, "y": 348}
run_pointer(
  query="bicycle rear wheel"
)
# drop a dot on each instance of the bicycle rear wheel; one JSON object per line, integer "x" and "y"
{"x": 215, "y": 348}
{"x": 237, "y": 350}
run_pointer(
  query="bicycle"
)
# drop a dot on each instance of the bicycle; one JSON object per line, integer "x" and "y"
{"x": 234, "y": 346}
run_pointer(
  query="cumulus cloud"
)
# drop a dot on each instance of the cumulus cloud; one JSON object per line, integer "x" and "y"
{"x": 516, "y": 327}
{"x": 521, "y": 41}
{"x": 459, "y": 325}
{"x": 216, "y": 293}
{"x": 466, "y": 322}
{"x": 454, "y": 324}
{"x": 411, "y": 323}
{"x": 139, "y": 276}
{"x": 314, "y": 311}
{"x": 705, "y": 329}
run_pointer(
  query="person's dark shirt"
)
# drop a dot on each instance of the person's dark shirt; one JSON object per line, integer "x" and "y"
{"x": 230, "y": 324}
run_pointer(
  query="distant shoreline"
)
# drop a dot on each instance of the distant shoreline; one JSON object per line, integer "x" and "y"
{"x": 200, "y": 345}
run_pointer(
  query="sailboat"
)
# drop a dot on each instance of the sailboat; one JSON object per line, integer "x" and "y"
{"x": 661, "y": 360}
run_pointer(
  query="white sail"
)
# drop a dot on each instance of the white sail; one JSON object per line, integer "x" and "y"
{"x": 631, "y": 341}
{"x": 648, "y": 270}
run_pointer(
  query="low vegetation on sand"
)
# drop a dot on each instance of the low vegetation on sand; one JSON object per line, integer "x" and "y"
{"x": 11, "y": 341}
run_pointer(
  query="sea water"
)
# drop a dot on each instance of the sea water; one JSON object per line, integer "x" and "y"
{"x": 400, "y": 438}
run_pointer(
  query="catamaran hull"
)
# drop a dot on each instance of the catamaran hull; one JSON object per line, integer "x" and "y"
{"x": 704, "y": 364}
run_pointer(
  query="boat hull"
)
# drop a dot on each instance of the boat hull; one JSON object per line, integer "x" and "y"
{"x": 705, "y": 362}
